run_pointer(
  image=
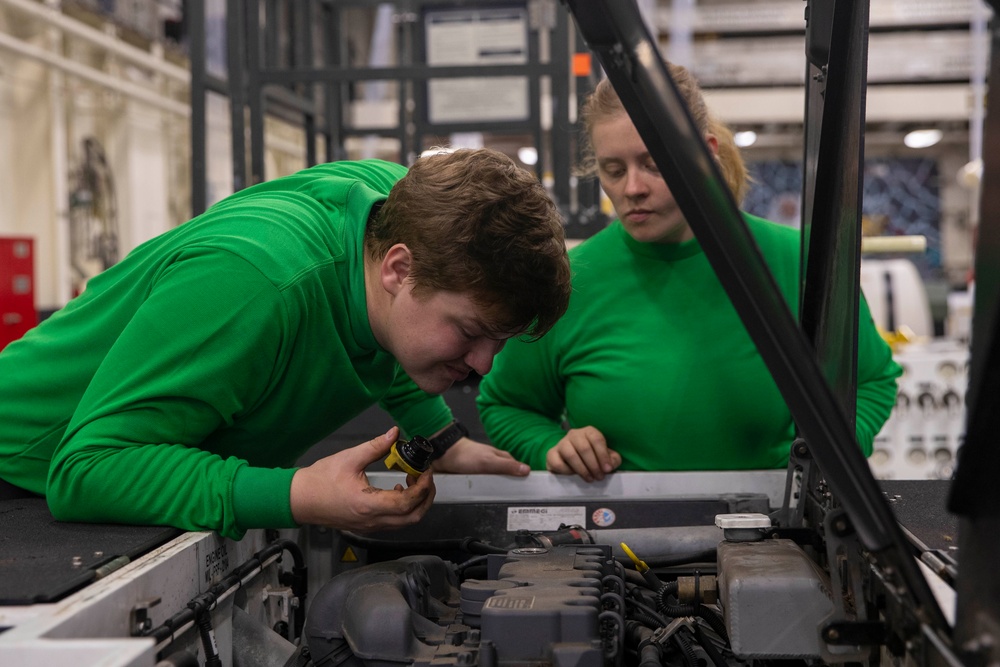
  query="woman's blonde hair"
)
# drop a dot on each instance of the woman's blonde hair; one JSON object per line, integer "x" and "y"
{"x": 604, "y": 103}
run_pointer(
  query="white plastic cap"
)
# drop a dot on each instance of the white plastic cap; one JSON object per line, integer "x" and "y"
{"x": 748, "y": 520}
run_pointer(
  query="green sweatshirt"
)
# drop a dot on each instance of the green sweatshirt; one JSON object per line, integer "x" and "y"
{"x": 180, "y": 387}
{"x": 653, "y": 354}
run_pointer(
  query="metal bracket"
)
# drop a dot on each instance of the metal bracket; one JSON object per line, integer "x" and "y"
{"x": 663, "y": 634}
{"x": 281, "y": 604}
{"x": 800, "y": 470}
{"x": 848, "y": 635}
{"x": 139, "y": 621}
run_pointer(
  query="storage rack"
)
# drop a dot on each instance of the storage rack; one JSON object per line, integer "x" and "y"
{"x": 290, "y": 60}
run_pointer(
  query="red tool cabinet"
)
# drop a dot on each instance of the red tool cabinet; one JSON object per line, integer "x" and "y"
{"x": 17, "y": 288}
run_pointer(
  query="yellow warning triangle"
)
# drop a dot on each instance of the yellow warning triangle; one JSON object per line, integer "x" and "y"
{"x": 349, "y": 556}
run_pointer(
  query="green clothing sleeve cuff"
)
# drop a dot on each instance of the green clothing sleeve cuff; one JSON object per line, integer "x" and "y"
{"x": 262, "y": 498}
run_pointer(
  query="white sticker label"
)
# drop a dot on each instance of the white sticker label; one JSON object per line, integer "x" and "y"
{"x": 544, "y": 518}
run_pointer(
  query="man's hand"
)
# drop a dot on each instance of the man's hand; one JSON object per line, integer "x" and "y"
{"x": 470, "y": 457}
{"x": 584, "y": 452}
{"x": 335, "y": 491}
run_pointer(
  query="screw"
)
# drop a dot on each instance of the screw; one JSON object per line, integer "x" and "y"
{"x": 77, "y": 561}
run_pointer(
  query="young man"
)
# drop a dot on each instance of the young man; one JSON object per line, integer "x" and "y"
{"x": 182, "y": 385}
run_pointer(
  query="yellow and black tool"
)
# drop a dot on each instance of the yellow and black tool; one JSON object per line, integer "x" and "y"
{"x": 410, "y": 456}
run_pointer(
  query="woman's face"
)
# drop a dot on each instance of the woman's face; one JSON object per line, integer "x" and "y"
{"x": 631, "y": 180}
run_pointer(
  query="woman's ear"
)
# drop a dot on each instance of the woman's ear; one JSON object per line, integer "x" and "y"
{"x": 713, "y": 143}
{"x": 395, "y": 268}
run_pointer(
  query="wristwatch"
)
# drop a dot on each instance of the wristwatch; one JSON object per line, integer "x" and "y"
{"x": 443, "y": 441}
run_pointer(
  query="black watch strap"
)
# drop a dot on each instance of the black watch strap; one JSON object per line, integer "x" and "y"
{"x": 448, "y": 437}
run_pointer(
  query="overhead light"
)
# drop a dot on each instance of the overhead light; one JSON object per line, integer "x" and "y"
{"x": 744, "y": 139}
{"x": 922, "y": 138}
{"x": 528, "y": 155}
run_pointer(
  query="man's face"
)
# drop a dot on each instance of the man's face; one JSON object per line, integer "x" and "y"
{"x": 439, "y": 337}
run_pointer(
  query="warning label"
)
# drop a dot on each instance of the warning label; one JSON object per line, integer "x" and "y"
{"x": 545, "y": 518}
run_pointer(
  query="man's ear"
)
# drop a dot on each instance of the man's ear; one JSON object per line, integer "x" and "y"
{"x": 395, "y": 268}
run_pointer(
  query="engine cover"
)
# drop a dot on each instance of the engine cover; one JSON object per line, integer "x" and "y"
{"x": 543, "y": 606}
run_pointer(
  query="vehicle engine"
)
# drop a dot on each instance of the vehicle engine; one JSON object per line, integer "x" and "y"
{"x": 571, "y": 606}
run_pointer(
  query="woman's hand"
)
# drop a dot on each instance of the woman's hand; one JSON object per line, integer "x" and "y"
{"x": 585, "y": 452}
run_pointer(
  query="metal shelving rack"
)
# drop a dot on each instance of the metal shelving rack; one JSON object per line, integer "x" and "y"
{"x": 290, "y": 60}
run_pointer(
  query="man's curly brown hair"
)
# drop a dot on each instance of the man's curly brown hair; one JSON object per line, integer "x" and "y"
{"x": 477, "y": 223}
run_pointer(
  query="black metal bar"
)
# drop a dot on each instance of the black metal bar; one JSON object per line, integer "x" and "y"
{"x": 307, "y": 18}
{"x": 272, "y": 46}
{"x": 561, "y": 128}
{"x": 286, "y": 113}
{"x": 195, "y": 18}
{"x": 495, "y": 126}
{"x": 388, "y": 132}
{"x": 616, "y": 31}
{"x": 363, "y": 3}
{"x": 237, "y": 92}
{"x": 332, "y": 91}
{"x": 978, "y": 588}
{"x": 587, "y": 217}
{"x": 819, "y": 23}
{"x": 975, "y": 491}
{"x": 535, "y": 96}
{"x": 829, "y": 309}
{"x": 216, "y": 85}
{"x": 975, "y": 494}
{"x": 283, "y": 97}
{"x": 819, "y": 15}
{"x": 298, "y": 28}
{"x": 415, "y": 72}
{"x": 419, "y": 88}
{"x": 255, "y": 92}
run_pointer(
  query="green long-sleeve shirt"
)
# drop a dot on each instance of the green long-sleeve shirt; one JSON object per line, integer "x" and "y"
{"x": 180, "y": 387}
{"x": 653, "y": 354}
